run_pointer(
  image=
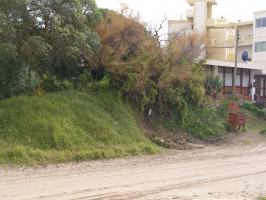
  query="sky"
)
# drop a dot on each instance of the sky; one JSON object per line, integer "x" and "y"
{"x": 153, "y": 11}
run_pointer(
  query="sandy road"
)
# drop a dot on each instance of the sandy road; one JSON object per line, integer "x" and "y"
{"x": 228, "y": 173}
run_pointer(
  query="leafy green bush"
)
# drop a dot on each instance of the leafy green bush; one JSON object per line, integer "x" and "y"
{"x": 84, "y": 81}
{"x": 52, "y": 83}
{"x": 204, "y": 123}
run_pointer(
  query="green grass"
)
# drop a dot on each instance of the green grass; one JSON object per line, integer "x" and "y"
{"x": 68, "y": 126}
{"x": 256, "y": 110}
{"x": 261, "y": 198}
{"x": 254, "y": 123}
{"x": 263, "y": 132}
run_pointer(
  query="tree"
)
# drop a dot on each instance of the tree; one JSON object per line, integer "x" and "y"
{"x": 148, "y": 75}
{"x": 128, "y": 52}
{"x": 50, "y": 36}
{"x": 67, "y": 26}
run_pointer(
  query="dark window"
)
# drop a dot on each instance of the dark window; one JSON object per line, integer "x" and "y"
{"x": 263, "y": 23}
{"x": 258, "y": 47}
{"x": 258, "y": 22}
{"x": 263, "y": 46}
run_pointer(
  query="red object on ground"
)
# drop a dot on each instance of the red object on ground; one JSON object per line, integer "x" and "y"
{"x": 233, "y": 107}
{"x": 235, "y": 118}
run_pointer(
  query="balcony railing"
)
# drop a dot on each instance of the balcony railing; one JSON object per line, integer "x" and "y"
{"x": 221, "y": 43}
{"x": 215, "y": 22}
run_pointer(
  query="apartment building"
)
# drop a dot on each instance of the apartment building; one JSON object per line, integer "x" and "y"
{"x": 221, "y": 48}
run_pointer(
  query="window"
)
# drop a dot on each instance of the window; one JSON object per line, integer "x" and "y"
{"x": 245, "y": 78}
{"x": 238, "y": 78}
{"x": 260, "y": 46}
{"x": 263, "y": 46}
{"x": 258, "y": 23}
{"x": 261, "y": 86}
{"x": 261, "y": 22}
{"x": 221, "y": 74}
{"x": 228, "y": 77}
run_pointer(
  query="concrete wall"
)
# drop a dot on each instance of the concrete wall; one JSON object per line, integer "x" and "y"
{"x": 219, "y": 44}
{"x": 246, "y": 34}
{"x": 200, "y": 16}
{"x": 216, "y": 53}
{"x": 219, "y": 35}
{"x": 179, "y": 26}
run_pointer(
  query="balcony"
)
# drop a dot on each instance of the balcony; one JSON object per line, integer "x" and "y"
{"x": 246, "y": 41}
{"x": 221, "y": 43}
{"x": 216, "y": 22}
{"x": 212, "y": 2}
{"x": 190, "y": 14}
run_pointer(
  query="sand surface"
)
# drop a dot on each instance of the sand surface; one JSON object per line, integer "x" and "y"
{"x": 228, "y": 172}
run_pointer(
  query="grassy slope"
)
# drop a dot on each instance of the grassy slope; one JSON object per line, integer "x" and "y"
{"x": 254, "y": 123}
{"x": 68, "y": 126}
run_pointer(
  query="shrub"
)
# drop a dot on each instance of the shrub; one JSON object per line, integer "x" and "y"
{"x": 213, "y": 86}
{"x": 84, "y": 81}
{"x": 52, "y": 83}
{"x": 204, "y": 123}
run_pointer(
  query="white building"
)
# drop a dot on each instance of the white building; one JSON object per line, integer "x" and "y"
{"x": 220, "y": 55}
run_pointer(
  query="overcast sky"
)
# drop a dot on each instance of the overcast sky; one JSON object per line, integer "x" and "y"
{"x": 153, "y": 11}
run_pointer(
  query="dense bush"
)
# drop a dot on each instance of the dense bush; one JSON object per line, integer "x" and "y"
{"x": 204, "y": 122}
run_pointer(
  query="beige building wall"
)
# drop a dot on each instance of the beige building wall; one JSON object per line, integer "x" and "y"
{"x": 216, "y": 53}
{"x": 221, "y": 44}
{"x": 246, "y": 32}
{"x": 259, "y": 35}
{"x": 245, "y": 41}
{"x": 179, "y": 26}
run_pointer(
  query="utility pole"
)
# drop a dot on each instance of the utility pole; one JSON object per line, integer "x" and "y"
{"x": 236, "y": 52}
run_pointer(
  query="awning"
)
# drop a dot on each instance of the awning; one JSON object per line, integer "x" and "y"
{"x": 248, "y": 65}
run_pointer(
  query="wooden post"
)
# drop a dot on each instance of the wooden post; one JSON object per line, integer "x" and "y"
{"x": 233, "y": 81}
{"x": 241, "y": 81}
{"x": 264, "y": 87}
{"x": 236, "y": 52}
{"x": 224, "y": 79}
